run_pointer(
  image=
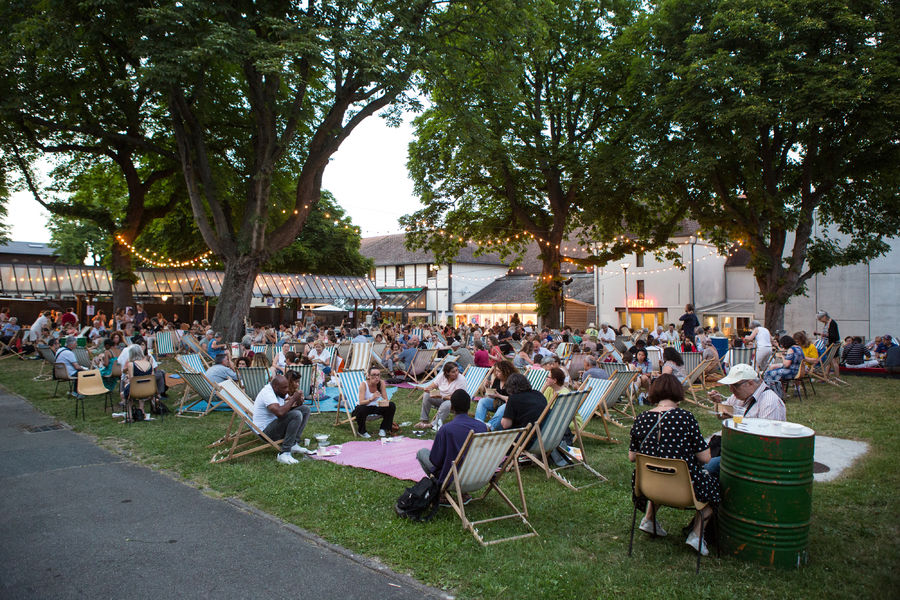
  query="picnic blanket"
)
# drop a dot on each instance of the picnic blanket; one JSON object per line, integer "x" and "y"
{"x": 392, "y": 456}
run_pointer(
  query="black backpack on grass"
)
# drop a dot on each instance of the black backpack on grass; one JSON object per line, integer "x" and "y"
{"x": 419, "y": 502}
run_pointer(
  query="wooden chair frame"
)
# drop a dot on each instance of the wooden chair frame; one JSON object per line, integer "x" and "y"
{"x": 242, "y": 437}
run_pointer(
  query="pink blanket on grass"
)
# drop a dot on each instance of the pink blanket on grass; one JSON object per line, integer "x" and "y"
{"x": 395, "y": 458}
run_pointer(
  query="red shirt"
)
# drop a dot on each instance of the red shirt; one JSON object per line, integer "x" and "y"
{"x": 482, "y": 359}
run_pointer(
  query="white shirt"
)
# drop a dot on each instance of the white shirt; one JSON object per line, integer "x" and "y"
{"x": 763, "y": 337}
{"x": 607, "y": 336}
{"x": 668, "y": 337}
{"x": 262, "y": 416}
{"x": 37, "y": 326}
{"x": 767, "y": 406}
{"x": 124, "y": 358}
{"x": 323, "y": 357}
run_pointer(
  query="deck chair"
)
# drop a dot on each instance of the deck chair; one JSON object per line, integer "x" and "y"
{"x": 193, "y": 363}
{"x": 665, "y": 482}
{"x": 348, "y": 389}
{"x": 253, "y": 379}
{"x": 90, "y": 383}
{"x": 691, "y": 380}
{"x": 547, "y": 436}
{"x": 654, "y": 355}
{"x": 418, "y": 332}
{"x": 342, "y": 350}
{"x": 621, "y": 386}
{"x": 420, "y": 365}
{"x": 691, "y": 360}
{"x": 47, "y": 359}
{"x": 476, "y": 378}
{"x": 430, "y": 345}
{"x": 612, "y": 368}
{"x": 203, "y": 389}
{"x": 481, "y": 462}
{"x": 611, "y": 350}
{"x": 242, "y": 437}
{"x": 742, "y": 356}
{"x": 8, "y": 349}
{"x": 84, "y": 357}
{"x": 593, "y": 404}
{"x": 438, "y": 366}
{"x": 296, "y": 347}
{"x": 377, "y": 350}
{"x": 164, "y": 344}
{"x": 307, "y": 383}
{"x": 464, "y": 358}
{"x": 575, "y": 366}
{"x": 537, "y": 378}
{"x": 191, "y": 343}
{"x": 271, "y": 352}
{"x": 823, "y": 370}
{"x": 564, "y": 351}
{"x": 360, "y": 356}
{"x": 258, "y": 348}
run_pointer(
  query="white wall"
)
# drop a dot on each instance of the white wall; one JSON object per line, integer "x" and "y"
{"x": 470, "y": 278}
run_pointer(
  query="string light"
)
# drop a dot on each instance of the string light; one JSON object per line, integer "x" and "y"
{"x": 199, "y": 260}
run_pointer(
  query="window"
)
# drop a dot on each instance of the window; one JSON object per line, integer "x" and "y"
{"x": 640, "y": 289}
{"x": 432, "y": 271}
{"x": 372, "y": 273}
{"x": 639, "y": 261}
{"x": 400, "y": 272}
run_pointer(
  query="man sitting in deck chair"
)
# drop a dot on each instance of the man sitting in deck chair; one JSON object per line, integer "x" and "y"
{"x": 221, "y": 369}
{"x": 438, "y": 393}
{"x": 450, "y": 438}
{"x": 279, "y": 415}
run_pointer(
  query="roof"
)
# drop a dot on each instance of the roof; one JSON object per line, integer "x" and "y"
{"x": 24, "y": 279}
{"x": 738, "y": 258}
{"x": 391, "y": 250}
{"x": 34, "y": 248}
{"x": 519, "y": 289}
{"x": 747, "y": 307}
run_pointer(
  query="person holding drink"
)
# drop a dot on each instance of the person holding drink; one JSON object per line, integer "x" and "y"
{"x": 373, "y": 400}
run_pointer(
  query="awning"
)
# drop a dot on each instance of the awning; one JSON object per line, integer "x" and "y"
{"x": 738, "y": 308}
{"x": 57, "y": 280}
{"x": 394, "y": 300}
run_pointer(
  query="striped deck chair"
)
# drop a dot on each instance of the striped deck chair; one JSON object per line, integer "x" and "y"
{"x": 691, "y": 360}
{"x": 742, "y": 356}
{"x": 476, "y": 378}
{"x": 307, "y": 383}
{"x": 575, "y": 365}
{"x": 377, "y": 350}
{"x": 537, "y": 378}
{"x": 516, "y": 344}
{"x": 164, "y": 344}
{"x": 418, "y": 332}
{"x": 297, "y": 347}
{"x": 271, "y": 351}
{"x": 483, "y": 459}
{"x": 341, "y": 350}
{"x": 194, "y": 346}
{"x": 199, "y": 385}
{"x": 612, "y": 368}
{"x": 441, "y": 339}
{"x": 84, "y": 358}
{"x": 557, "y": 338}
{"x": 360, "y": 356}
{"x": 348, "y": 388}
{"x": 464, "y": 358}
{"x": 242, "y": 437}
{"x": 654, "y": 355}
{"x": 593, "y": 404}
{"x": 621, "y": 386}
{"x": 823, "y": 370}
{"x": 564, "y": 351}
{"x": 611, "y": 351}
{"x": 192, "y": 363}
{"x": 438, "y": 365}
{"x": 420, "y": 365}
{"x": 547, "y": 436}
{"x": 44, "y": 352}
{"x": 9, "y": 348}
{"x": 693, "y": 376}
{"x": 253, "y": 379}
{"x": 258, "y": 348}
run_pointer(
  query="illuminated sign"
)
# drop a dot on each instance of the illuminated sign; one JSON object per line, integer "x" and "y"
{"x": 641, "y": 303}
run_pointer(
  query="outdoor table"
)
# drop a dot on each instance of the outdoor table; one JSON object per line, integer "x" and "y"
{"x": 766, "y": 475}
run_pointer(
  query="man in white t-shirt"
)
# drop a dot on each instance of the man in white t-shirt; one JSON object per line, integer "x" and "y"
{"x": 281, "y": 416}
{"x": 43, "y": 320}
{"x": 607, "y": 334}
{"x": 763, "y": 340}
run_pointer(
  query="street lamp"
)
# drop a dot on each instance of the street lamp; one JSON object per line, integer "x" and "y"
{"x": 625, "y": 266}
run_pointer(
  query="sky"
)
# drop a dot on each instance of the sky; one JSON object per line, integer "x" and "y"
{"x": 367, "y": 177}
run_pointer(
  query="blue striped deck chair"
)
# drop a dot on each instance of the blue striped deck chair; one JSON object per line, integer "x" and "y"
{"x": 307, "y": 384}
{"x": 253, "y": 379}
{"x": 258, "y": 348}
{"x": 348, "y": 388}
{"x": 192, "y": 363}
{"x": 164, "y": 344}
{"x": 297, "y": 347}
{"x": 594, "y": 404}
{"x": 611, "y": 350}
{"x": 197, "y": 384}
{"x": 612, "y": 368}
{"x": 242, "y": 437}
{"x": 821, "y": 345}
{"x": 418, "y": 332}
{"x": 84, "y": 358}
{"x": 481, "y": 462}
{"x": 537, "y": 378}
{"x": 476, "y": 377}
{"x": 271, "y": 351}
{"x": 628, "y": 344}
{"x": 360, "y": 356}
{"x": 441, "y": 339}
{"x": 438, "y": 365}
{"x": 430, "y": 345}
{"x": 557, "y": 338}
{"x": 547, "y": 436}
{"x": 622, "y": 381}
{"x": 564, "y": 351}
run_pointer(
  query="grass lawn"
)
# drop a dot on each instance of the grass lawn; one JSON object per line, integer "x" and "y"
{"x": 583, "y": 543}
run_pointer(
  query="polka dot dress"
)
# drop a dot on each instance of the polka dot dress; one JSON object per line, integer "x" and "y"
{"x": 676, "y": 436}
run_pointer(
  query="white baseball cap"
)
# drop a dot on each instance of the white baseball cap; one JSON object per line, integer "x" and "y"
{"x": 738, "y": 373}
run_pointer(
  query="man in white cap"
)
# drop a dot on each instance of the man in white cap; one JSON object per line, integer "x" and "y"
{"x": 749, "y": 391}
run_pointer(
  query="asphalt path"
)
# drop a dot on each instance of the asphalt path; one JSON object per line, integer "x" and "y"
{"x": 77, "y": 521}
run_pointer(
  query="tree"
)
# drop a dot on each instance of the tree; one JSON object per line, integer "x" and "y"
{"x": 259, "y": 92}
{"x": 4, "y": 198}
{"x": 523, "y": 141}
{"x": 74, "y": 240}
{"x": 771, "y": 116}
{"x": 72, "y": 88}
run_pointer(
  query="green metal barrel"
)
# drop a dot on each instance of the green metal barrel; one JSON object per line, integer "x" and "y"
{"x": 767, "y": 476}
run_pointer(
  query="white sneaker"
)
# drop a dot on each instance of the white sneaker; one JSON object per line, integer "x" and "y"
{"x": 285, "y": 458}
{"x": 366, "y": 435}
{"x": 381, "y": 433}
{"x": 298, "y": 449}
{"x": 693, "y": 540}
{"x": 647, "y": 526}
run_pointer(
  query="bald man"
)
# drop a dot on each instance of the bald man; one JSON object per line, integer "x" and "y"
{"x": 279, "y": 414}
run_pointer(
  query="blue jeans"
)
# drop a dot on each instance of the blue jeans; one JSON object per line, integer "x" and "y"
{"x": 712, "y": 467}
{"x": 485, "y": 405}
{"x": 495, "y": 421}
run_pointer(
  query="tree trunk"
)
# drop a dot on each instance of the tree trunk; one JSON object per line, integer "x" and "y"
{"x": 550, "y": 274}
{"x": 774, "y": 319}
{"x": 234, "y": 299}
{"x": 122, "y": 276}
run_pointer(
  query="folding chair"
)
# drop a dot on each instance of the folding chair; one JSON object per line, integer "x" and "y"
{"x": 654, "y": 355}
{"x": 564, "y": 351}
{"x": 348, "y": 389}
{"x": 9, "y": 347}
{"x": 258, "y": 348}
{"x": 621, "y": 386}
{"x": 164, "y": 344}
{"x": 270, "y": 352}
{"x": 464, "y": 358}
{"x": 476, "y": 378}
{"x": 691, "y": 360}
{"x": 664, "y": 482}
{"x": 420, "y": 364}
{"x": 341, "y": 350}
{"x": 203, "y": 389}
{"x": 594, "y": 404}
{"x": 803, "y": 377}
{"x": 253, "y": 379}
{"x": 47, "y": 359}
{"x": 307, "y": 383}
{"x": 192, "y": 363}
{"x": 242, "y": 437}
{"x": 360, "y": 356}
{"x": 438, "y": 366}
{"x": 742, "y": 356}
{"x": 537, "y": 378}
{"x": 90, "y": 383}
{"x": 611, "y": 350}
{"x": 823, "y": 370}
{"x": 84, "y": 357}
{"x": 481, "y": 462}
{"x": 692, "y": 378}
{"x": 547, "y": 436}
{"x": 191, "y": 343}
{"x": 612, "y": 368}
{"x": 576, "y": 365}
